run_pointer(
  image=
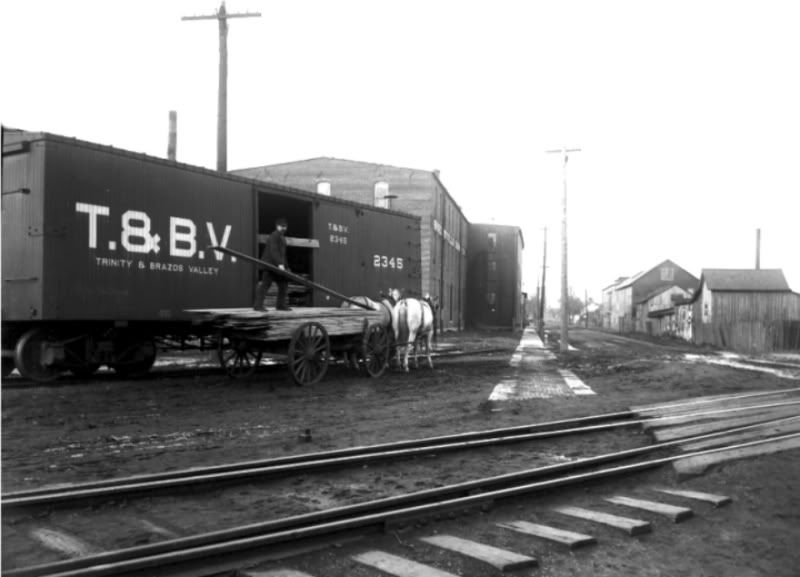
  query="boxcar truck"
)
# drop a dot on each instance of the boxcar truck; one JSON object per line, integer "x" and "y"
{"x": 104, "y": 250}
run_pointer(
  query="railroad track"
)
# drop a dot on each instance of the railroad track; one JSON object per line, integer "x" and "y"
{"x": 734, "y": 423}
{"x": 16, "y": 382}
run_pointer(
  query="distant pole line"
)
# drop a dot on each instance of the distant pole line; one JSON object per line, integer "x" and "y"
{"x": 222, "y": 103}
{"x": 564, "y": 337}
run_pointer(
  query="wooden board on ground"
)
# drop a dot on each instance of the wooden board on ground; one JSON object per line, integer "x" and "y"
{"x": 399, "y": 566}
{"x": 713, "y": 414}
{"x": 630, "y": 526}
{"x": 494, "y": 556}
{"x": 716, "y": 500}
{"x": 671, "y": 433}
{"x": 698, "y": 404}
{"x": 569, "y": 538}
{"x": 774, "y": 428}
{"x": 677, "y": 514}
{"x": 697, "y": 464}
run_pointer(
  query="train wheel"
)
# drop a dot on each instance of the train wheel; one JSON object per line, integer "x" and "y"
{"x": 237, "y": 357}
{"x": 136, "y": 359}
{"x": 309, "y": 353}
{"x": 375, "y": 350}
{"x": 33, "y": 357}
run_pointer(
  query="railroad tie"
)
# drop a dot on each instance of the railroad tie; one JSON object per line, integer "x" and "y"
{"x": 499, "y": 558}
{"x": 568, "y": 538}
{"x": 716, "y": 500}
{"x": 630, "y": 526}
{"x": 677, "y": 514}
{"x": 398, "y": 566}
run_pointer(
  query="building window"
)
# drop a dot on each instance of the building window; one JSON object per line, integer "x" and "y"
{"x": 492, "y": 240}
{"x": 324, "y": 187}
{"x": 667, "y": 273}
{"x": 382, "y": 199}
{"x": 491, "y": 300}
{"x": 492, "y": 266}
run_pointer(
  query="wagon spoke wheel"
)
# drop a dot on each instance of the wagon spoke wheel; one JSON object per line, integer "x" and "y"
{"x": 34, "y": 358}
{"x": 375, "y": 349}
{"x": 237, "y": 356}
{"x": 309, "y": 353}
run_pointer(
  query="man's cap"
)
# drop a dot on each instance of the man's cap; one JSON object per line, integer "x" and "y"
{"x": 281, "y": 222}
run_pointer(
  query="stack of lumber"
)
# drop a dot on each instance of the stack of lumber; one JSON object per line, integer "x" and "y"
{"x": 275, "y": 325}
{"x": 721, "y": 428}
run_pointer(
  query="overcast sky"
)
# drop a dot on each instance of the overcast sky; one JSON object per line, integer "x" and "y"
{"x": 687, "y": 113}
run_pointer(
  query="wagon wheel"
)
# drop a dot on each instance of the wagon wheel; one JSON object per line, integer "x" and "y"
{"x": 33, "y": 357}
{"x": 309, "y": 353}
{"x": 375, "y": 349}
{"x": 237, "y": 356}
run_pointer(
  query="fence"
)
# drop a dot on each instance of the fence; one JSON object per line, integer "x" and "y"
{"x": 750, "y": 336}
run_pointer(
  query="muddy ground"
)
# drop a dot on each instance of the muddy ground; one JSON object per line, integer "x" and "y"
{"x": 78, "y": 430}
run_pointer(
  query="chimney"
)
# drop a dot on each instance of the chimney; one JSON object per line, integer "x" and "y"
{"x": 758, "y": 249}
{"x": 173, "y": 134}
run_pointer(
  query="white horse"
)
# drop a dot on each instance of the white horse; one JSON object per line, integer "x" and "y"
{"x": 413, "y": 320}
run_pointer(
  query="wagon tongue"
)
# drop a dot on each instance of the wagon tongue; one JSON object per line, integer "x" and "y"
{"x": 291, "y": 276}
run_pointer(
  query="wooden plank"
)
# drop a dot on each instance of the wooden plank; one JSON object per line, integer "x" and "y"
{"x": 673, "y": 433}
{"x": 721, "y": 413}
{"x": 569, "y": 538}
{"x": 630, "y": 526}
{"x": 696, "y": 464}
{"x": 293, "y": 241}
{"x": 494, "y": 556}
{"x": 716, "y": 500}
{"x": 399, "y": 566}
{"x": 675, "y": 513}
{"x": 774, "y": 428}
{"x": 698, "y": 402}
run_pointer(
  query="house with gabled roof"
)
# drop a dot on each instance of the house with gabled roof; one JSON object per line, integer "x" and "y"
{"x": 751, "y": 310}
{"x": 627, "y": 295}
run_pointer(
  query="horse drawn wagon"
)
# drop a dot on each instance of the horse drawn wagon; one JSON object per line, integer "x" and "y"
{"x": 310, "y": 337}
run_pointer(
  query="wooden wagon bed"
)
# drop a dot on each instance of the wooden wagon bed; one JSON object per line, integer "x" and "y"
{"x": 307, "y": 335}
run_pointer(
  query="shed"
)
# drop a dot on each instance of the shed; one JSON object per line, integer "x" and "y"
{"x": 751, "y": 310}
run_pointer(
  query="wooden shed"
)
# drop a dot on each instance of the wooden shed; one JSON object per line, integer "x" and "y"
{"x": 747, "y": 310}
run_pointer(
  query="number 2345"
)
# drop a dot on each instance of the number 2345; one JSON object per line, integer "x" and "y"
{"x": 383, "y": 261}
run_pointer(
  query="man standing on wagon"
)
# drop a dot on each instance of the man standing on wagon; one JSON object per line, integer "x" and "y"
{"x": 274, "y": 253}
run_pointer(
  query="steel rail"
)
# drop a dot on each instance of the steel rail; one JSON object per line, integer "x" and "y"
{"x": 316, "y": 461}
{"x": 365, "y": 516}
{"x": 304, "y": 463}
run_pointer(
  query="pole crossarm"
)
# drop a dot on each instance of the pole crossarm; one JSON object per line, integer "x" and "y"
{"x": 222, "y": 103}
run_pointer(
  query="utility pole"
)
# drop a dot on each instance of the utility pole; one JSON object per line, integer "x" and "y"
{"x": 564, "y": 338}
{"x": 222, "y": 103}
{"x": 586, "y": 306}
{"x": 544, "y": 278}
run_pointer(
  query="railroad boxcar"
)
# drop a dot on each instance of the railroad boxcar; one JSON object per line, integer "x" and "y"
{"x": 104, "y": 251}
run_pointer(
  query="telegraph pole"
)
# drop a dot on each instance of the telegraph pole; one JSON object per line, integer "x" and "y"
{"x": 544, "y": 275}
{"x": 222, "y": 103}
{"x": 564, "y": 152}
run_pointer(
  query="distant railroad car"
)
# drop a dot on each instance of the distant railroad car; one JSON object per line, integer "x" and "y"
{"x": 104, "y": 250}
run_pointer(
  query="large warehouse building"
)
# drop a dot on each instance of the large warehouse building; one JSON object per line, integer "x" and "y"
{"x": 444, "y": 228}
